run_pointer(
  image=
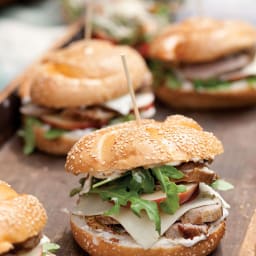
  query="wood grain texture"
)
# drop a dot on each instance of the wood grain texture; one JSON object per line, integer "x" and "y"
{"x": 248, "y": 247}
{"x": 44, "y": 176}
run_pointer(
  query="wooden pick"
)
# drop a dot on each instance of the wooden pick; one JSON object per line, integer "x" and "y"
{"x": 88, "y": 19}
{"x": 131, "y": 90}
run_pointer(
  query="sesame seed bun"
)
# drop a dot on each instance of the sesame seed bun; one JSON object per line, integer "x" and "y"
{"x": 202, "y": 39}
{"x": 116, "y": 149}
{"x": 22, "y": 217}
{"x": 95, "y": 243}
{"x": 86, "y": 73}
{"x": 206, "y": 99}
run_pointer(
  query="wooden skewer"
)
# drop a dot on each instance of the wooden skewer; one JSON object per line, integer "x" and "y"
{"x": 88, "y": 19}
{"x": 131, "y": 90}
{"x": 248, "y": 247}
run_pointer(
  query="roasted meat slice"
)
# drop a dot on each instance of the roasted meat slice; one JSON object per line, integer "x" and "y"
{"x": 203, "y": 214}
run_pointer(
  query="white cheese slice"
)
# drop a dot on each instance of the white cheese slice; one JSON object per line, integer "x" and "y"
{"x": 205, "y": 189}
{"x": 250, "y": 69}
{"x": 143, "y": 230}
{"x": 123, "y": 105}
{"x": 90, "y": 205}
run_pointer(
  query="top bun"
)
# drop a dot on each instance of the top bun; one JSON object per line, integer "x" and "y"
{"x": 116, "y": 149}
{"x": 86, "y": 73}
{"x": 201, "y": 39}
{"x": 21, "y": 217}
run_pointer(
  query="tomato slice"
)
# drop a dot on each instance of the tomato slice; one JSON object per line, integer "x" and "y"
{"x": 143, "y": 49}
{"x": 160, "y": 196}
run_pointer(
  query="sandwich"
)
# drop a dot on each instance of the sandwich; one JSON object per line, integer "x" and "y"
{"x": 203, "y": 63}
{"x": 81, "y": 88}
{"x": 148, "y": 190}
{"x": 130, "y": 22}
{"x": 22, "y": 219}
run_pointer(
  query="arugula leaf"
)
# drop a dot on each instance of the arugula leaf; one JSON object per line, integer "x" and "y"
{"x": 251, "y": 81}
{"x": 163, "y": 175}
{"x": 126, "y": 190}
{"x": 142, "y": 181}
{"x": 163, "y": 75}
{"x": 28, "y": 134}
{"x": 101, "y": 182}
{"x": 120, "y": 197}
{"x": 171, "y": 172}
{"x": 222, "y": 185}
{"x": 171, "y": 204}
{"x": 211, "y": 84}
{"x": 151, "y": 208}
{"x": 172, "y": 81}
{"x": 163, "y": 10}
{"x": 139, "y": 180}
{"x": 122, "y": 119}
{"x": 53, "y": 133}
{"x": 77, "y": 190}
{"x": 50, "y": 248}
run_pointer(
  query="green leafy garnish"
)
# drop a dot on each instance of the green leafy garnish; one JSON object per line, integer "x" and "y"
{"x": 126, "y": 190}
{"x": 53, "y": 133}
{"x": 142, "y": 181}
{"x": 121, "y": 197}
{"x": 138, "y": 204}
{"x": 171, "y": 172}
{"x": 77, "y": 190}
{"x": 164, "y": 75}
{"x": 222, "y": 185}
{"x": 163, "y": 10}
{"x": 163, "y": 175}
{"x": 172, "y": 81}
{"x": 28, "y": 134}
{"x": 211, "y": 84}
{"x": 102, "y": 182}
{"x": 50, "y": 248}
{"x": 122, "y": 119}
{"x": 251, "y": 81}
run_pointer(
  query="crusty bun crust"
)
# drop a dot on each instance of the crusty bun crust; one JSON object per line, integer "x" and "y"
{"x": 21, "y": 217}
{"x": 201, "y": 39}
{"x": 59, "y": 146}
{"x": 86, "y": 73}
{"x": 119, "y": 148}
{"x": 206, "y": 100}
{"x": 95, "y": 245}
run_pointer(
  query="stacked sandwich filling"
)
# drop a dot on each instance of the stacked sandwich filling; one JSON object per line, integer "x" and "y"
{"x": 80, "y": 88}
{"x": 154, "y": 206}
{"x": 76, "y": 122}
{"x": 128, "y": 22}
{"x": 21, "y": 222}
{"x": 36, "y": 246}
{"x": 232, "y": 72}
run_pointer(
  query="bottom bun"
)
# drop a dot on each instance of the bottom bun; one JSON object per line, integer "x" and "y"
{"x": 59, "y": 146}
{"x": 206, "y": 100}
{"x": 96, "y": 243}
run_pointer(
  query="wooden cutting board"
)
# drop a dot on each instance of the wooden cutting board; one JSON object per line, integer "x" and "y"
{"x": 44, "y": 175}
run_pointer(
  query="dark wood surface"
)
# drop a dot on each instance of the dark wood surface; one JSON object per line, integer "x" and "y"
{"x": 44, "y": 176}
